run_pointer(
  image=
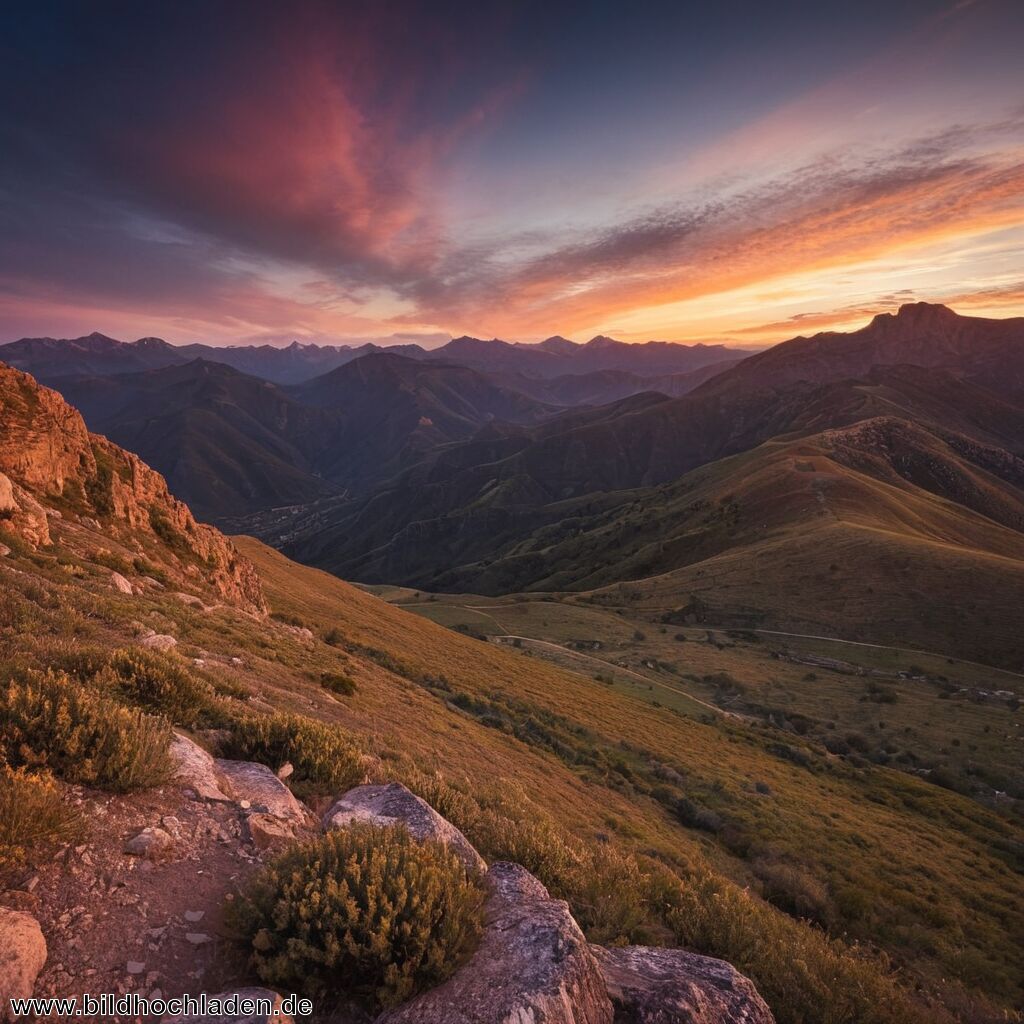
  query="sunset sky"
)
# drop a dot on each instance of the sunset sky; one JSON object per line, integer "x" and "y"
{"x": 747, "y": 171}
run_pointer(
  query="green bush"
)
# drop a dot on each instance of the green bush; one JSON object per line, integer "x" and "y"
{"x": 31, "y": 811}
{"x": 365, "y": 912}
{"x": 338, "y": 682}
{"x": 152, "y": 680}
{"x": 325, "y": 758}
{"x": 161, "y": 682}
{"x": 49, "y": 721}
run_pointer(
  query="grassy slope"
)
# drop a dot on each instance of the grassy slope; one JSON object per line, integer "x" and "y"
{"x": 919, "y": 870}
{"x": 913, "y": 869}
{"x": 789, "y": 537}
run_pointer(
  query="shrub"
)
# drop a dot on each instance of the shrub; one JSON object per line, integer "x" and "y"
{"x": 338, "y": 682}
{"x": 31, "y": 811}
{"x": 364, "y": 910}
{"x": 325, "y": 758}
{"x": 152, "y": 680}
{"x": 80, "y": 735}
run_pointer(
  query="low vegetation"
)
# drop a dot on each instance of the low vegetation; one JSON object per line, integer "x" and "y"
{"x": 31, "y": 812}
{"x": 325, "y": 758}
{"x": 49, "y": 721}
{"x": 364, "y": 912}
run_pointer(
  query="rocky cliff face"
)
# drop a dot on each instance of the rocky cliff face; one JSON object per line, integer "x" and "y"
{"x": 52, "y": 468}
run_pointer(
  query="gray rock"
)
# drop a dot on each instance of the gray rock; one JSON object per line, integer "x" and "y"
{"x": 160, "y": 642}
{"x": 672, "y": 986}
{"x": 393, "y": 803}
{"x": 151, "y": 843}
{"x": 237, "y": 1018}
{"x": 533, "y": 966}
{"x": 22, "y": 955}
{"x": 264, "y": 791}
{"x": 195, "y": 769}
{"x": 119, "y": 583}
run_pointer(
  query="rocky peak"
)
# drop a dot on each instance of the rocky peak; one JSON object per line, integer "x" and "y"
{"x": 52, "y": 468}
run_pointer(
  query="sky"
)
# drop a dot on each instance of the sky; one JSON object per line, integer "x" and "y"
{"x": 393, "y": 170}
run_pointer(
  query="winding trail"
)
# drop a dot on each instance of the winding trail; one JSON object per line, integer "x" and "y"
{"x": 620, "y": 668}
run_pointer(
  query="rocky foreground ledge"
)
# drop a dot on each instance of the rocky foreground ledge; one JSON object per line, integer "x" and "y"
{"x": 533, "y": 964}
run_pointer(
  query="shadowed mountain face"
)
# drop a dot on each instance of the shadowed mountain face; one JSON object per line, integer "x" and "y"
{"x": 428, "y": 472}
{"x": 927, "y": 458}
{"x": 232, "y": 444}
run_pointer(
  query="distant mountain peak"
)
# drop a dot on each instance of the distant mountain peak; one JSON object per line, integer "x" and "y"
{"x": 919, "y": 315}
{"x": 556, "y": 343}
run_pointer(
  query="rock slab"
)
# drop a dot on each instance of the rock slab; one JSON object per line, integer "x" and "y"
{"x": 265, "y": 793}
{"x": 392, "y": 804}
{"x": 22, "y": 955}
{"x": 533, "y": 966}
{"x": 672, "y": 986}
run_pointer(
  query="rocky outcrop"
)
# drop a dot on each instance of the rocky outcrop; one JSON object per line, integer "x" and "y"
{"x": 235, "y": 998}
{"x": 672, "y": 986}
{"x": 46, "y": 452}
{"x": 392, "y": 804}
{"x": 22, "y": 955}
{"x": 533, "y": 966}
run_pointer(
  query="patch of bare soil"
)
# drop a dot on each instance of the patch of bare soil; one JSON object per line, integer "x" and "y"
{"x": 120, "y": 923}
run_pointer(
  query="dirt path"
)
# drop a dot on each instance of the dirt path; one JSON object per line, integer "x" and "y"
{"x": 620, "y": 668}
{"x": 120, "y": 923}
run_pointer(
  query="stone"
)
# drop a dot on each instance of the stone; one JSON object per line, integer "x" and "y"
{"x": 266, "y": 793}
{"x": 533, "y": 965}
{"x": 190, "y": 599}
{"x": 197, "y": 938}
{"x": 7, "y": 502}
{"x": 672, "y": 986}
{"x": 120, "y": 584}
{"x": 271, "y": 998}
{"x": 265, "y": 831}
{"x": 286, "y": 771}
{"x": 135, "y": 967}
{"x": 160, "y": 642}
{"x": 22, "y": 955}
{"x": 4, "y": 550}
{"x": 391, "y": 804}
{"x": 195, "y": 769}
{"x": 151, "y": 843}
{"x": 194, "y": 916}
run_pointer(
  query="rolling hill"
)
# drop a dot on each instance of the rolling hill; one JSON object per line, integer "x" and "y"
{"x": 930, "y": 455}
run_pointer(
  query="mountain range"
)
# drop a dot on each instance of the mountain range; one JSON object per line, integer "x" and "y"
{"x": 761, "y": 833}
{"x": 889, "y": 457}
{"x": 50, "y": 359}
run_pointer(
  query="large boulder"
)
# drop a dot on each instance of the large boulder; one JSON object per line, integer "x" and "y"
{"x": 672, "y": 986}
{"x": 22, "y": 955}
{"x": 392, "y": 804}
{"x": 255, "y": 997}
{"x": 196, "y": 770}
{"x": 533, "y": 966}
{"x": 255, "y": 787}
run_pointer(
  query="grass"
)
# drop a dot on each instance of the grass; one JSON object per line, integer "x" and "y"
{"x": 921, "y": 876}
